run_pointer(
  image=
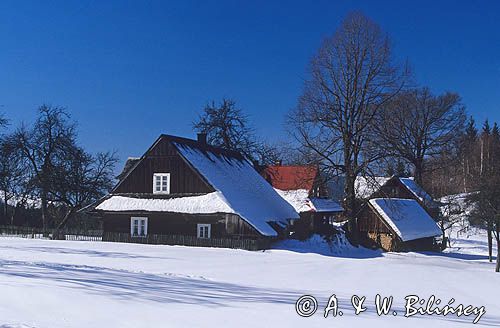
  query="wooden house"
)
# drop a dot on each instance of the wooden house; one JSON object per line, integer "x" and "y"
{"x": 398, "y": 215}
{"x": 305, "y": 190}
{"x": 396, "y": 187}
{"x": 184, "y": 191}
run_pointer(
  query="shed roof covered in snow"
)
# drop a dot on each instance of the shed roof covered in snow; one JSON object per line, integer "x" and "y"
{"x": 200, "y": 204}
{"x": 406, "y": 218}
{"x": 366, "y": 186}
{"x": 417, "y": 190}
{"x": 296, "y": 184}
{"x": 301, "y": 201}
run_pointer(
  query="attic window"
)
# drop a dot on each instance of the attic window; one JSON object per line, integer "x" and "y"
{"x": 161, "y": 183}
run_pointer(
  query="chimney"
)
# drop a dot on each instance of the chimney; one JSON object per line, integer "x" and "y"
{"x": 202, "y": 138}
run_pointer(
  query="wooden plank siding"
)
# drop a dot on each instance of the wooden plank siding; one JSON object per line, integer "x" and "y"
{"x": 163, "y": 158}
{"x": 394, "y": 189}
{"x": 222, "y": 225}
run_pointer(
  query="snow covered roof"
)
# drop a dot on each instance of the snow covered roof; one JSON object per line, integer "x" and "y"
{"x": 366, "y": 186}
{"x": 418, "y": 191}
{"x": 204, "y": 204}
{"x": 291, "y": 177}
{"x": 406, "y": 217}
{"x": 299, "y": 199}
{"x": 301, "y": 202}
{"x": 240, "y": 186}
{"x": 326, "y": 205}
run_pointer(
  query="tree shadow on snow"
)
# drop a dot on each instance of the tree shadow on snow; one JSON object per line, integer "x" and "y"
{"x": 340, "y": 248}
{"x": 459, "y": 256}
{"x": 177, "y": 289}
{"x": 72, "y": 251}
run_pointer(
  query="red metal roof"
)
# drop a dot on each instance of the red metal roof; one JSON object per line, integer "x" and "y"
{"x": 291, "y": 177}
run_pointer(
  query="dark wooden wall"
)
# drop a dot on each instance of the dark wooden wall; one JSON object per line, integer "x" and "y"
{"x": 163, "y": 158}
{"x": 369, "y": 221}
{"x": 373, "y": 232}
{"x": 223, "y": 225}
{"x": 393, "y": 189}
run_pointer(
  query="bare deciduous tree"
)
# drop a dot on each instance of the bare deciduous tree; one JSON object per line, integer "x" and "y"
{"x": 15, "y": 179}
{"x": 227, "y": 126}
{"x": 45, "y": 145}
{"x": 351, "y": 77}
{"x": 82, "y": 179}
{"x": 416, "y": 125}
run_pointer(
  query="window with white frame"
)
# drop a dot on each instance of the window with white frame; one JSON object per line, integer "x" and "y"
{"x": 138, "y": 227}
{"x": 161, "y": 183}
{"x": 204, "y": 230}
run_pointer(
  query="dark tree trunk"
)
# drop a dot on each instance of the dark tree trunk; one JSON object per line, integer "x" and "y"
{"x": 445, "y": 239}
{"x": 419, "y": 168}
{"x": 497, "y": 237}
{"x": 350, "y": 209}
{"x": 67, "y": 216}
{"x": 43, "y": 209}
{"x": 497, "y": 268}
{"x": 13, "y": 214}
{"x": 490, "y": 242}
{"x": 5, "y": 208}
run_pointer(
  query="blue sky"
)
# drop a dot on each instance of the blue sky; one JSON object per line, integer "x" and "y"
{"x": 131, "y": 70}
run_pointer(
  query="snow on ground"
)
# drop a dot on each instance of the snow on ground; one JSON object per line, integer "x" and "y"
{"x": 96, "y": 284}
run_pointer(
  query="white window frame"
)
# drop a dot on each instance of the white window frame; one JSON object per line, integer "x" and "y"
{"x": 209, "y": 231}
{"x": 142, "y": 230}
{"x": 162, "y": 176}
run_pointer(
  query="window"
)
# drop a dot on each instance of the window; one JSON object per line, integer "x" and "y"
{"x": 161, "y": 183}
{"x": 204, "y": 230}
{"x": 138, "y": 227}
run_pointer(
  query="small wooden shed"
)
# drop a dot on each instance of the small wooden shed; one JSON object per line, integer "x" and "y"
{"x": 396, "y": 224}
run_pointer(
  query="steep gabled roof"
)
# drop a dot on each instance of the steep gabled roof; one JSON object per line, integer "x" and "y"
{"x": 364, "y": 187}
{"x": 406, "y": 218}
{"x": 131, "y": 165}
{"x": 367, "y": 186}
{"x": 291, "y": 177}
{"x": 241, "y": 187}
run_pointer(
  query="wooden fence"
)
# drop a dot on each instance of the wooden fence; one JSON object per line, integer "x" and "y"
{"x": 185, "y": 240}
{"x": 39, "y": 233}
{"x": 98, "y": 235}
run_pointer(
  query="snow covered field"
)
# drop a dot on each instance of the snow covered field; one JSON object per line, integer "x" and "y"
{"x": 93, "y": 284}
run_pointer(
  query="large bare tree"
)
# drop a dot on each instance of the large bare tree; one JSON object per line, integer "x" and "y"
{"x": 45, "y": 146}
{"x": 82, "y": 179}
{"x": 15, "y": 177}
{"x": 417, "y": 125}
{"x": 351, "y": 77}
{"x": 227, "y": 126}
